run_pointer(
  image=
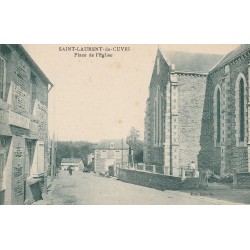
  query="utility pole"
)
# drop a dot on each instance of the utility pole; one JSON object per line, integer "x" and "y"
{"x": 122, "y": 152}
{"x": 53, "y": 141}
{"x": 52, "y": 157}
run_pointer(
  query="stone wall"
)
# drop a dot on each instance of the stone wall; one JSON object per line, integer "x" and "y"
{"x": 209, "y": 156}
{"x": 191, "y": 101}
{"x": 18, "y": 165}
{"x": 160, "y": 77}
{"x": 23, "y": 117}
{"x": 242, "y": 180}
{"x": 227, "y": 155}
{"x": 238, "y": 152}
{"x": 156, "y": 181}
{"x": 5, "y": 53}
{"x": 146, "y": 144}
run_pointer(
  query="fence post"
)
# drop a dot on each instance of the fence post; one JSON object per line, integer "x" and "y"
{"x": 235, "y": 178}
{"x": 154, "y": 169}
{"x": 182, "y": 174}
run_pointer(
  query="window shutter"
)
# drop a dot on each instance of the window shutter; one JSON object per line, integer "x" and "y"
{"x": 38, "y": 162}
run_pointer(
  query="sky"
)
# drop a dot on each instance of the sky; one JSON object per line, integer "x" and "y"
{"x": 96, "y": 98}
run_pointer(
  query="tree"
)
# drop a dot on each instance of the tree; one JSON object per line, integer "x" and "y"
{"x": 133, "y": 140}
{"x": 133, "y": 137}
{"x": 68, "y": 149}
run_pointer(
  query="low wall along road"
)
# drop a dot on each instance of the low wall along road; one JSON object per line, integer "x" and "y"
{"x": 157, "y": 181}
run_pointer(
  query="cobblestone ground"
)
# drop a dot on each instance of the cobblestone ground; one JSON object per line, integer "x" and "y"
{"x": 92, "y": 189}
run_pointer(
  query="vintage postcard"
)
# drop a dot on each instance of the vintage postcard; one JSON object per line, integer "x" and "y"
{"x": 125, "y": 124}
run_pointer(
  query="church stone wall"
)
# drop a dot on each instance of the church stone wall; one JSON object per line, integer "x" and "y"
{"x": 209, "y": 156}
{"x": 191, "y": 100}
{"x": 160, "y": 77}
{"x": 230, "y": 154}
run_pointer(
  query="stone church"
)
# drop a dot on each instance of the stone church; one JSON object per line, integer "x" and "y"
{"x": 197, "y": 110}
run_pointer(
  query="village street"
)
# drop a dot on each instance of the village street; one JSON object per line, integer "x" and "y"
{"x": 92, "y": 189}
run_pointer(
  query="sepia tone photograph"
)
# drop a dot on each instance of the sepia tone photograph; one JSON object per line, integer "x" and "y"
{"x": 133, "y": 124}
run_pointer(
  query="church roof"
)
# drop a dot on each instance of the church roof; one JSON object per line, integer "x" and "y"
{"x": 105, "y": 144}
{"x": 191, "y": 62}
{"x": 232, "y": 55}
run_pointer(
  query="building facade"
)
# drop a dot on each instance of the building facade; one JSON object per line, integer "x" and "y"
{"x": 174, "y": 109}
{"x": 23, "y": 126}
{"x": 197, "y": 110}
{"x": 111, "y": 152}
{"x": 75, "y": 163}
{"x": 225, "y": 133}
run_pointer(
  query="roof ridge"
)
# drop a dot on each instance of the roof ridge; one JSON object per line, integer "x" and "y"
{"x": 239, "y": 54}
{"x": 192, "y": 62}
{"x": 189, "y": 52}
{"x": 218, "y": 62}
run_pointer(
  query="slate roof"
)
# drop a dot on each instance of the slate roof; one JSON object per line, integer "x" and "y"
{"x": 105, "y": 144}
{"x": 71, "y": 160}
{"x": 233, "y": 55}
{"x": 191, "y": 62}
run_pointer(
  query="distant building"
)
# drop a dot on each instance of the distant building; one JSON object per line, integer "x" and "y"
{"x": 198, "y": 110}
{"x": 110, "y": 152}
{"x": 75, "y": 163}
{"x": 23, "y": 126}
{"x": 90, "y": 158}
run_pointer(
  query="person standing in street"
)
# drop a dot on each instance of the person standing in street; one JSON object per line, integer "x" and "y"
{"x": 70, "y": 170}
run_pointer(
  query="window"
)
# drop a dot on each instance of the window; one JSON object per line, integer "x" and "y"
{"x": 104, "y": 154}
{"x": 217, "y": 115}
{"x": 158, "y": 125}
{"x": 155, "y": 120}
{"x": 117, "y": 154}
{"x": 241, "y": 111}
{"x": 158, "y": 66}
{"x": 2, "y": 77}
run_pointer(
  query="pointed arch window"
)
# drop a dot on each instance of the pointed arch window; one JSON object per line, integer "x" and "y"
{"x": 218, "y": 118}
{"x": 2, "y": 77}
{"x": 155, "y": 120}
{"x": 241, "y": 111}
{"x": 158, "y": 118}
{"x": 217, "y": 115}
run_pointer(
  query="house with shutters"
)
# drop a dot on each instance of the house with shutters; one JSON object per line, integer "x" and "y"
{"x": 23, "y": 126}
{"x": 111, "y": 153}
